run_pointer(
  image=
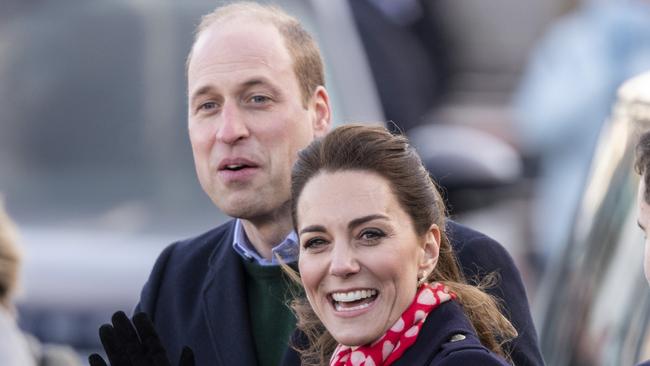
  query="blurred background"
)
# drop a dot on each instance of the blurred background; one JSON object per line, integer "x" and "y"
{"x": 507, "y": 102}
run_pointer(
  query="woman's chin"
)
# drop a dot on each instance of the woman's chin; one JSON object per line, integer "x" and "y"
{"x": 353, "y": 338}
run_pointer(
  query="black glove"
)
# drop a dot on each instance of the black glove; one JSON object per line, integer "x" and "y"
{"x": 126, "y": 345}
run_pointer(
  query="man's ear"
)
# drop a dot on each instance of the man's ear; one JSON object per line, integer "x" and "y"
{"x": 322, "y": 112}
{"x": 431, "y": 250}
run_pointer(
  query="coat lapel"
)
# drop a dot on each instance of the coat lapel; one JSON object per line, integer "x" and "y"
{"x": 443, "y": 322}
{"x": 226, "y": 307}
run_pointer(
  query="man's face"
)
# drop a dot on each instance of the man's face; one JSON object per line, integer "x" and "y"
{"x": 644, "y": 224}
{"x": 246, "y": 117}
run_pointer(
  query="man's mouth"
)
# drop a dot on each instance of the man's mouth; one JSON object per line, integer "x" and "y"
{"x": 236, "y": 164}
{"x": 235, "y": 167}
{"x": 353, "y": 300}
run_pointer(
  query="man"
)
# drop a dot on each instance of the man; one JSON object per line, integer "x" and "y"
{"x": 642, "y": 166}
{"x": 256, "y": 96}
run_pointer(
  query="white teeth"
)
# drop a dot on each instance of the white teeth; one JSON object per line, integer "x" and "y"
{"x": 339, "y": 307}
{"x": 235, "y": 166}
{"x": 353, "y": 295}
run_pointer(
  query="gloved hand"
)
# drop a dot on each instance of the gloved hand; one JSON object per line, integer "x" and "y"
{"x": 126, "y": 345}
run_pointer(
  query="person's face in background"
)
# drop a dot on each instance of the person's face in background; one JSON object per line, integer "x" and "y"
{"x": 246, "y": 116}
{"x": 644, "y": 223}
{"x": 359, "y": 254}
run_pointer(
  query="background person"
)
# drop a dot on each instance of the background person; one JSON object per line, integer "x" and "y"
{"x": 376, "y": 264}
{"x": 16, "y": 347}
{"x": 642, "y": 166}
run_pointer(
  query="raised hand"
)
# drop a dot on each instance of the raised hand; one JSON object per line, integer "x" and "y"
{"x": 134, "y": 343}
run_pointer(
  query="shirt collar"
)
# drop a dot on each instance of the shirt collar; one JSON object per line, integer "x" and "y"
{"x": 287, "y": 250}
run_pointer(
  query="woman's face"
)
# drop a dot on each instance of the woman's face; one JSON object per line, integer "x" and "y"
{"x": 359, "y": 254}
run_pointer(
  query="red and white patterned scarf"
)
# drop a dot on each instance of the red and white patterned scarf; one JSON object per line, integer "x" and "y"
{"x": 390, "y": 347}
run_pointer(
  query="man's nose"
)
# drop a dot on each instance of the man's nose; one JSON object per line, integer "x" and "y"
{"x": 232, "y": 126}
{"x": 344, "y": 261}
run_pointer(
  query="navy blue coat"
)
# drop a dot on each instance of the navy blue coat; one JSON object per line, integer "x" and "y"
{"x": 195, "y": 296}
{"x": 434, "y": 345}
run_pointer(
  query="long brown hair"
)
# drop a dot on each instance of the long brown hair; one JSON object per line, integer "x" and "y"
{"x": 375, "y": 149}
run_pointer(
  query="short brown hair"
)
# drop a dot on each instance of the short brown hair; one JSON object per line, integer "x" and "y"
{"x": 642, "y": 162}
{"x": 307, "y": 60}
{"x": 374, "y": 149}
{"x": 9, "y": 258}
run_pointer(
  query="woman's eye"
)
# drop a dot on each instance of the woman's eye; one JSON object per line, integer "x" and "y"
{"x": 314, "y": 243}
{"x": 372, "y": 234}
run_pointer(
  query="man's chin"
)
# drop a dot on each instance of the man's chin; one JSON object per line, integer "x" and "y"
{"x": 243, "y": 206}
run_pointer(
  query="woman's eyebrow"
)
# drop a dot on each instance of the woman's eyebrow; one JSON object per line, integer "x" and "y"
{"x": 313, "y": 229}
{"x": 362, "y": 220}
{"x": 354, "y": 223}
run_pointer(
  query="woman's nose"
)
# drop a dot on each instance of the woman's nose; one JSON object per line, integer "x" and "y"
{"x": 343, "y": 261}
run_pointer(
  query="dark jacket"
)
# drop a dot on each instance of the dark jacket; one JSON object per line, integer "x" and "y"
{"x": 195, "y": 296}
{"x": 435, "y": 345}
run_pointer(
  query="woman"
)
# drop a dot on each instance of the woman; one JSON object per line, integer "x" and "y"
{"x": 382, "y": 284}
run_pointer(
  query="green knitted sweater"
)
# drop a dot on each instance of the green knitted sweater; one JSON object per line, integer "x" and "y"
{"x": 272, "y": 322}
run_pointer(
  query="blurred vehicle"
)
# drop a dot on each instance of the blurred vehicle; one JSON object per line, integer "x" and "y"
{"x": 595, "y": 299}
{"x": 95, "y": 162}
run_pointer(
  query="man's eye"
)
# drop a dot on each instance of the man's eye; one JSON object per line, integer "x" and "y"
{"x": 208, "y": 106}
{"x": 259, "y": 99}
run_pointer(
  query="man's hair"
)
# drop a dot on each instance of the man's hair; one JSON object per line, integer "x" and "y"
{"x": 307, "y": 61}
{"x": 9, "y": 258}
{"x": 642, "y": 163}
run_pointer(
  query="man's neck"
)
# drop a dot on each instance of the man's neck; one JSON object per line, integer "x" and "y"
{"x": 266, "y": 234}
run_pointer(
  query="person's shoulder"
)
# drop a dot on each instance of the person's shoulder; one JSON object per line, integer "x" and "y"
{"x": 465, "y": 239}
{"x": 647, "y": 363}
{"x": 457, "y": 340}
{"x": 201, "y": 246}
{"x": 183, "y": 266}
{"x": 460, "y": 233}
{"x": 455, "y": 353}
{"x": 220, "y": 233}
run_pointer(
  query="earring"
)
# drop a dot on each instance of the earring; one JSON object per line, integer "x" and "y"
{"x": 422, "y": 278}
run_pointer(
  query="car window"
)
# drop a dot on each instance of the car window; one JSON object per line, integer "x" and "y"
{"x": 595, "y": 298}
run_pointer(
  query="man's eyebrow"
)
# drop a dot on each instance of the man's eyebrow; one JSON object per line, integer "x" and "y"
{"x": 260, "y": 81}
{"x": 640, "y": 225}
{"x": 207, "y": 89}
{"x": 201, "y": 91}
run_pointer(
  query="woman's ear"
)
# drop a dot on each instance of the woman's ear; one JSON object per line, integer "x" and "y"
{"x": 431, "y": 249}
